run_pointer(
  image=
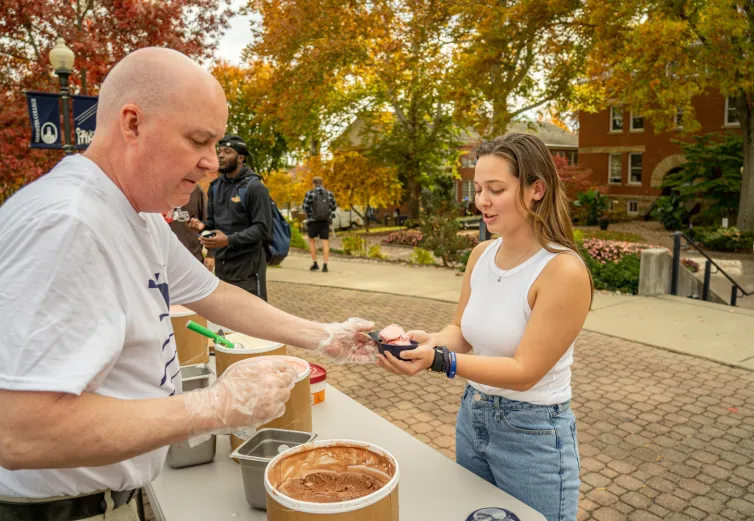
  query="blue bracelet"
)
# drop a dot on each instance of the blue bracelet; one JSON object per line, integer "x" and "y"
{"x": 452, "y": 368}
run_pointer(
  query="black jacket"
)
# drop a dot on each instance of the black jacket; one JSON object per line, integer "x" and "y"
{"x": 248, "y": 224}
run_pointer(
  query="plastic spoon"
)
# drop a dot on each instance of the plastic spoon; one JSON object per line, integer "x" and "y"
{"x": 193, "y": 326}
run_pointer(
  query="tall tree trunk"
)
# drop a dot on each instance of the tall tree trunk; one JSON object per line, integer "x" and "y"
{"x": 746, "y": 203}
{"x": 414, "y": 194}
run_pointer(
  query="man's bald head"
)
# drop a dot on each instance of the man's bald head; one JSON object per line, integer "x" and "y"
{"x": 153, "y": 79}
{"x": 159, "y": 117}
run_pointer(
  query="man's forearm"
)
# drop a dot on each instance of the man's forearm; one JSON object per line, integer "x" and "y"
{"x": 241, "y": 311}
{"x": 59, "y": 430}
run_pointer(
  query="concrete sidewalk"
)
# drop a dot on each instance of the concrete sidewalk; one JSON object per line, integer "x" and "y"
{"x": 695, "y": 328}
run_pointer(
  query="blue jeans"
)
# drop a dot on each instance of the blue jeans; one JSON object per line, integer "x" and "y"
{"x": 529, "y": 451}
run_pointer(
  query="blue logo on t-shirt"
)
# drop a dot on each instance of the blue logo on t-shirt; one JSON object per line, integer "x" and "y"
{"x": 164, "y": 290}
{"x": 163, "y": 287}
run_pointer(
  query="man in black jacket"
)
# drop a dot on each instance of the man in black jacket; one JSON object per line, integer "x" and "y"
{"x": 239, "y": 220}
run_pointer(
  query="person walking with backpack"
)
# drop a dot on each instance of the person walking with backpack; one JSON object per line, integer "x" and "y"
{"x": 319, "y": 204}
{"x": 239, "y": 220}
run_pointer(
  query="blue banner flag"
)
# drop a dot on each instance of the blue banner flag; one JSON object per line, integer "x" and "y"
{"x": 84, "y": 120}
{"x": 44, "y": 114}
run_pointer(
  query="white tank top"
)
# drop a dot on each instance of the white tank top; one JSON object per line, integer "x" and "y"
{"x": 497, "y": 314}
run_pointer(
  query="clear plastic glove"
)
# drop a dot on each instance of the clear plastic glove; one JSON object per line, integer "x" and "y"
{"x": 249, "y": 393}
{"x": 348, "y": 342}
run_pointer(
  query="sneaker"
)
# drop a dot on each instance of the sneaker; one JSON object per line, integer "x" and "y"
{"x": 324, "y": 268}
{"x": 314, "y": 267}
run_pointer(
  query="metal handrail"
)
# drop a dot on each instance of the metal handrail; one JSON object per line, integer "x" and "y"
{"x": 735, "y": 286}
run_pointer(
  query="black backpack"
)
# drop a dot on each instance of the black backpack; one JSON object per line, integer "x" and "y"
{"x": 321, "y": 205}
{"x": 279, "y": 243}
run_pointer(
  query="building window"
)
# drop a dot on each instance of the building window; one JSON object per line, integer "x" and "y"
{"x": 679, "y": 118}
{"x": 573, "y": 156}
{"x": 468, "y": 190}
{"x": 637, "y": 123}
{"x": 731, "y": 112}
{"x": 616, "y": 119}
{"x": 632, "y": 207}
{"x": 614, "y": 169}
{"x": 634, "y": 169}
{"x": 468, "y": 161}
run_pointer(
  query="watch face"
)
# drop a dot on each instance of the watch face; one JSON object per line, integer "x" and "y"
{"x": 492, "y": 514}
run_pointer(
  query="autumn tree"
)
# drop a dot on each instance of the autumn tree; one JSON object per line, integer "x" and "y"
{"x": 657, "y": 55}
{"x": 246, "y": 89}
{"x": 100, "y": 32}
{"x": 514, "y": 57}
{"x": 335, "y": 62}
{"x": 359, "y": 182}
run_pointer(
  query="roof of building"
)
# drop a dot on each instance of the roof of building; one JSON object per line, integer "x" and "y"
{"x": 552, "y": 135}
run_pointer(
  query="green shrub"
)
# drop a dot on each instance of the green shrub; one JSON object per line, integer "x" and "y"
{"x": 724, "y": 239}
{"x": 355, "y": 245}
{"x": 375, "y": 252}
{"x": 592, "y": 205}
{"x": 578, "y": 236}
{"x": 422, "y": 256}
{"x": 463, "y": 260}
{"x": 297, "y": 240}
{"x": 621, "y": 275}
{"x": 672, "y": 212}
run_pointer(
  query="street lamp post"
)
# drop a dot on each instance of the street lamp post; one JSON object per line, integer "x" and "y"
{"x": 61, "y": 59}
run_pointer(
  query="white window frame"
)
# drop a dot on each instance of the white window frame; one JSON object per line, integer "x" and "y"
{"x": 727, "y": 113}
{"x": 610, "y": 169}
{"x": 628, "y": 207}
{"x": 622, "y": 122}
{"x": 679, "y": 118}
{"x": 467, "y": 184}
{"x": 631, "y": 124}
{"x": 641, "y": 176}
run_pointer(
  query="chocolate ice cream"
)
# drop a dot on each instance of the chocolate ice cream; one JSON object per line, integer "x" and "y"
{"x": 331, "y": 487}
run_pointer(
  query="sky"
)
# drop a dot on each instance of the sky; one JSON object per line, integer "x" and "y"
{"x": 236, "y": 37}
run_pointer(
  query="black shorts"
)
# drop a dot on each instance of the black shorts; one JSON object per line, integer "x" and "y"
{"x": 319, "y": 229}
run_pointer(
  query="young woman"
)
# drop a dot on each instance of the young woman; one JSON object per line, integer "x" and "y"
{"x": 524, "y": 299}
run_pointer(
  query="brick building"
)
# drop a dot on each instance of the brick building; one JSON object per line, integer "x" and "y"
{"x": 624, "y": 153}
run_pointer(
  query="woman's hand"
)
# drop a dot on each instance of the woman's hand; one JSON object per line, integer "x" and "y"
{"x": 413, "y": 361}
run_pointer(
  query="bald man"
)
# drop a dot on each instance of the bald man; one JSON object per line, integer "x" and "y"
{"x": 90, "y": 387}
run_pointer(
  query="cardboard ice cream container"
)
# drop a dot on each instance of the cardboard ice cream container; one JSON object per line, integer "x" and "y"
{"x": 253, "y": 347}
{"x": 298, "y": 408}
{"x": 192, "y": 348}
{"x": 333, "y": 456}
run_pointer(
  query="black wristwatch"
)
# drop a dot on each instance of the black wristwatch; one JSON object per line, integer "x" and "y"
{"x": 439, "y": 364}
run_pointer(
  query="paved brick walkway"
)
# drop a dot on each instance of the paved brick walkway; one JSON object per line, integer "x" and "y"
{"x": 662, "y": 436}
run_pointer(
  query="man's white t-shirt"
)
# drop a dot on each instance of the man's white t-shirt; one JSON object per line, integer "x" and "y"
{"x": 85, "y": 288}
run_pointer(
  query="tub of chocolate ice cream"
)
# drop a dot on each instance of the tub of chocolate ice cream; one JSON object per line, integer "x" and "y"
{"x": 336, "y": 480}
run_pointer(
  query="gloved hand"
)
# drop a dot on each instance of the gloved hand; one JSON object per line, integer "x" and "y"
{"x": 348, "y": 342}
{"x": 249, "y": 393}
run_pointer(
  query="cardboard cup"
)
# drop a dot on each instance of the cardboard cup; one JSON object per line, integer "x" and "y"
{"x": 298, "y": 408}
{"x": 253, "y": 347}
{"x": 192, "y": 348}
{"x": 336, "y": 455}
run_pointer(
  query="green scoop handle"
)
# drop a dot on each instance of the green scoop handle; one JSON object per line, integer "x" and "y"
{"x": 193, "y": 326}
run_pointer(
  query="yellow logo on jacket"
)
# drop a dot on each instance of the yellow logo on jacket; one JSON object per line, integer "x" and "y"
{"x": 235, "y": 199}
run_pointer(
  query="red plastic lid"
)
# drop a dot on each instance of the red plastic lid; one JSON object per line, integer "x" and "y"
{"x": 318, "y": 374}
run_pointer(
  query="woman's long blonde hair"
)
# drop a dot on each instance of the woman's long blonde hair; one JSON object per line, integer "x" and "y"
{"x": 530, "y": 160}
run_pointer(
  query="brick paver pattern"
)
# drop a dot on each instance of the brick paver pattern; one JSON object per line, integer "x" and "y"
{"x": 662, "y": 436}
